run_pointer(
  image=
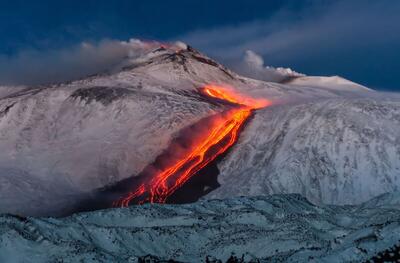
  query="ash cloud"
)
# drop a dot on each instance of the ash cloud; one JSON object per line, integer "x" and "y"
{"x": 33, "y": 67}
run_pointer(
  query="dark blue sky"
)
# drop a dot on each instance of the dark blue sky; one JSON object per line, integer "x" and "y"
{"x": 49, "y": 24}
{"x": 356, "y": 39}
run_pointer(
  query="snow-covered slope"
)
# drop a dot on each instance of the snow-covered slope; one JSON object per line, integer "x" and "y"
{"x": 332, "y": 83}
{"x": 279, "y": 228}
{"x": 84, "y": 136}
{"x": 337, "y": 151}
{"x": 60, "y": 142}
{"x": 8, "y": 90}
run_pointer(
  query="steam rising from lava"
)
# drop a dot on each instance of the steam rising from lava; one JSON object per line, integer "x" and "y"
{"x": 221, "y": 134}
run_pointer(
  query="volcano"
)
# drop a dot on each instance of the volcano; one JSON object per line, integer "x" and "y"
{"x": 222, "y": 134}
{"x": 327, "y": 138}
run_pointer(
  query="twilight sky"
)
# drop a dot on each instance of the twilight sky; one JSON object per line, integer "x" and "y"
{"x": 357, "y": 39}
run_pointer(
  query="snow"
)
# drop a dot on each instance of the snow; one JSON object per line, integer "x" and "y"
{"x": 336, "y": 151}
{"x": 8, "y": 90}
{"x": 61, "y": 142}
{"x": 72, "y": 139}
{"x": 333, "y": 83}
{"x": 326, "y": 138}
{"x": 274, "y": 229}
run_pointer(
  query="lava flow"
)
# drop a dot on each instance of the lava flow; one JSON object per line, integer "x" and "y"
{"x": 222, "y": 135}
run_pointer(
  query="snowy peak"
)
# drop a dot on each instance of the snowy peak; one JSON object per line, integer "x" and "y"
{"x": 330, "y": 83}
{"x": 172, "y": 63}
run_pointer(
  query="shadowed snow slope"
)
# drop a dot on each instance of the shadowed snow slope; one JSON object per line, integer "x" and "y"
{"x": 279, "y": 228}
{"x": 339, "y": 151}
{"x": 60, "y": 142}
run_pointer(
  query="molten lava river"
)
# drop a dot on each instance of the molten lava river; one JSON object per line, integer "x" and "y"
{"x": 220, "y": 136}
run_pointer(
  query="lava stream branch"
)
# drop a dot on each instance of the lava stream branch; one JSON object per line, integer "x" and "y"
{"x": 222, "y": 135}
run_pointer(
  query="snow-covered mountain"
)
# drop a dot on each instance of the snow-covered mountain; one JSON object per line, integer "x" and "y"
{"x": 278, "y": 228}
{"x": 322, "y": 137}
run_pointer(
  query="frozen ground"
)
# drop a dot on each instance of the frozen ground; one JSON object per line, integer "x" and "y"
{"x": 278, "y": 228}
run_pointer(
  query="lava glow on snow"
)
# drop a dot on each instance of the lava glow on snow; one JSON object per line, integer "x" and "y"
{"x": 222, "y": 135}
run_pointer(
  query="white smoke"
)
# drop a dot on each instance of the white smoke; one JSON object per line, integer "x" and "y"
{"x": 253, "y": 66}
{"x": 32, "y": 67}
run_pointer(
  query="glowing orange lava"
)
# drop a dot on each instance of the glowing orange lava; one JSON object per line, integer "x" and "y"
{"x": 221, "y": 137}
{"x": 227, "y": 94}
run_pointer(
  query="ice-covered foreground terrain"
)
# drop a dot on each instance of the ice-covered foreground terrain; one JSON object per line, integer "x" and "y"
{"x": 323, "y": 137}
{"x": 272, "y": 229}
